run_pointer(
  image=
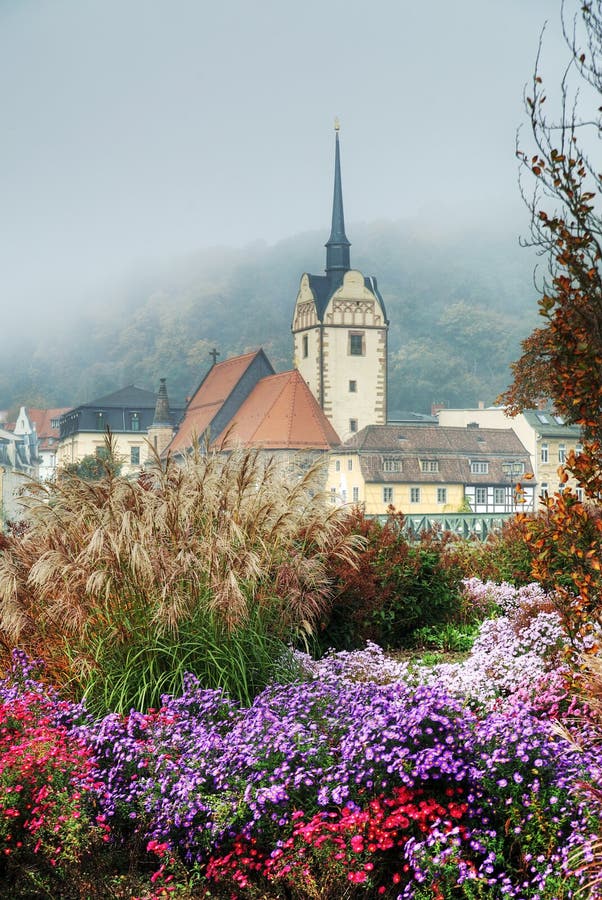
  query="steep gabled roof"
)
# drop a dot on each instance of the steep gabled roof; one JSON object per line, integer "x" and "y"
{"x": 219, "y": 396}
{"x": 281, "y": 413}
{"x": 43, "y": 418}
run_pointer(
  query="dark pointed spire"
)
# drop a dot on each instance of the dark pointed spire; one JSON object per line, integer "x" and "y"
{"x": 337, "y": 248}
{"x": 162, "y": 413}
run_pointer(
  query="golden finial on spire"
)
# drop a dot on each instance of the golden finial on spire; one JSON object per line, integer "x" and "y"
{"x": 337, "y": 124}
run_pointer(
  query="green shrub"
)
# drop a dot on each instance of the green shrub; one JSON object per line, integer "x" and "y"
{"x": 504, "y": 556}
{"x": 396, "y": 586}
{"x": 448, "y": 636}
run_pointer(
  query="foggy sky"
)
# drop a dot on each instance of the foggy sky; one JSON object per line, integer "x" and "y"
{"x": 137, "y": 130}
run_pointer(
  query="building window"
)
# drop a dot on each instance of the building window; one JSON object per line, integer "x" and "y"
{"x": 100, "y": 420}
{"x": 479, "y": 467}
{"x": 545, "y": 454}
{"x": 356, "y": 495}
{"x": 333, "y": 495}
{"x": 305, "y": 346}
{"x": 578, "y": 449}
{"x": 391, "y": 465}
{"x": 135, "y": 456}
{"x": 561, "y": 453}
{"x": 337, "y": 465}
{"x": 544, "y": 487}
{"x": 135, "y": 421}
{"x": 441, "y": 495}
{"x": 414, "y": 495}
{"x": 429, "y": 465}
{"x": 480, "y": 496}
{"x": 388, "y": 495}
{"x": 353, "y": 387}
{"x": 357, "y": 344}
{"x": 580, "y": 494}
{"x": 352, "y": 425}
{"x": 499, "y": 496}
{"x": 513, "y": 468}
{"x": 350, "y": 465}
{"x": 54, "y": 423}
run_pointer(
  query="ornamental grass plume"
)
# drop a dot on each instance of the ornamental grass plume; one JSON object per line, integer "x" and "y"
{"x": 117, "y": 574}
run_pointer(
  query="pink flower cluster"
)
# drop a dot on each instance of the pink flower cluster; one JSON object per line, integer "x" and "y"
{"x": 361, "y": 845}
{"x": 47, "y": 783}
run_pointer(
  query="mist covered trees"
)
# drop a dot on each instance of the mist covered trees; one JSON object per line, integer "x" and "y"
{"x": 458, "y": 308}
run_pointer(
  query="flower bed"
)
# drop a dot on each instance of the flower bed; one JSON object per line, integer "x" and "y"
{"x": 369, "y": 778}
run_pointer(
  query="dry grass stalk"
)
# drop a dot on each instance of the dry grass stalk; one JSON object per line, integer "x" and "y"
{"x": 227, "y": 531}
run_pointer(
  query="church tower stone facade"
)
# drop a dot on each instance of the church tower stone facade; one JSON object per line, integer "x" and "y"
{"x": 340, "y": 331}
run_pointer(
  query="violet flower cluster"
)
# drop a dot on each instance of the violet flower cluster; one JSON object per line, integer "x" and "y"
{"x": 204, "y": 778}
{"x": 200, "y": 774}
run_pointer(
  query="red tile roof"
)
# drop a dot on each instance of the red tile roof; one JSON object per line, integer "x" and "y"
{"x": 281, "y": 413}
{"x": 42, "y": 419}
{"x": 210, "y": 396}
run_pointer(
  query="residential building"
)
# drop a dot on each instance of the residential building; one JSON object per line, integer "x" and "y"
{"x": 18, "y": 462}
{"x": 46, "y": 424}
{"x": 340, "y": 331}
{"x": 426, "y": 469}
{"x": 128, "y": 414}
{"x": 544, "y": 433}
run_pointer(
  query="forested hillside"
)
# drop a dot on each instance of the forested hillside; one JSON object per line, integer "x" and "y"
{"x": 458, "y": 308}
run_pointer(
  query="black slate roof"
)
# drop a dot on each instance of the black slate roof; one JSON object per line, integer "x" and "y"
{"x": 324, "y": 286}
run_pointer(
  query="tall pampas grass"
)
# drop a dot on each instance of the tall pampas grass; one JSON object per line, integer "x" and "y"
{"x": 218, "y": 544}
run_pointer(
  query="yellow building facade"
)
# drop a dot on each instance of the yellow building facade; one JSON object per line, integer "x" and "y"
{"x": 544, "y": 434}
{"x": 429, "y": 470}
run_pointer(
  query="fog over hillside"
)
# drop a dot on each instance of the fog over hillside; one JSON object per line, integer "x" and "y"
{"x": 458, "y": 307}
{"x": 135, "y": 134}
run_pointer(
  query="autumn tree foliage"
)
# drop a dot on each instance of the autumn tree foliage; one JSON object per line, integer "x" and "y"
{"x": 562, "y": 360}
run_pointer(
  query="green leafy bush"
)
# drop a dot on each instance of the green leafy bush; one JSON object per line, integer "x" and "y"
{"x": 395, "y": 587}
{"x": 504, "y": 556}
{"x": 447, "y": 636}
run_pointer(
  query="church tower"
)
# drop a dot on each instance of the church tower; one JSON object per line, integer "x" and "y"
{"x": 340, "y": 332}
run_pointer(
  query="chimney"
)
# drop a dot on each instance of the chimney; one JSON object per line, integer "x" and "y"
{"x": 481, "y": 404}
{"x": 436, "y": 408}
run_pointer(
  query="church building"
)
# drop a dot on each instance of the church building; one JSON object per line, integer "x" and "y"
{"x": 340, "y": 333}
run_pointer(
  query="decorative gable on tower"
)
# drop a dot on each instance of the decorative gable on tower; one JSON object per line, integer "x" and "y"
{"x": 340, "y": 332}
